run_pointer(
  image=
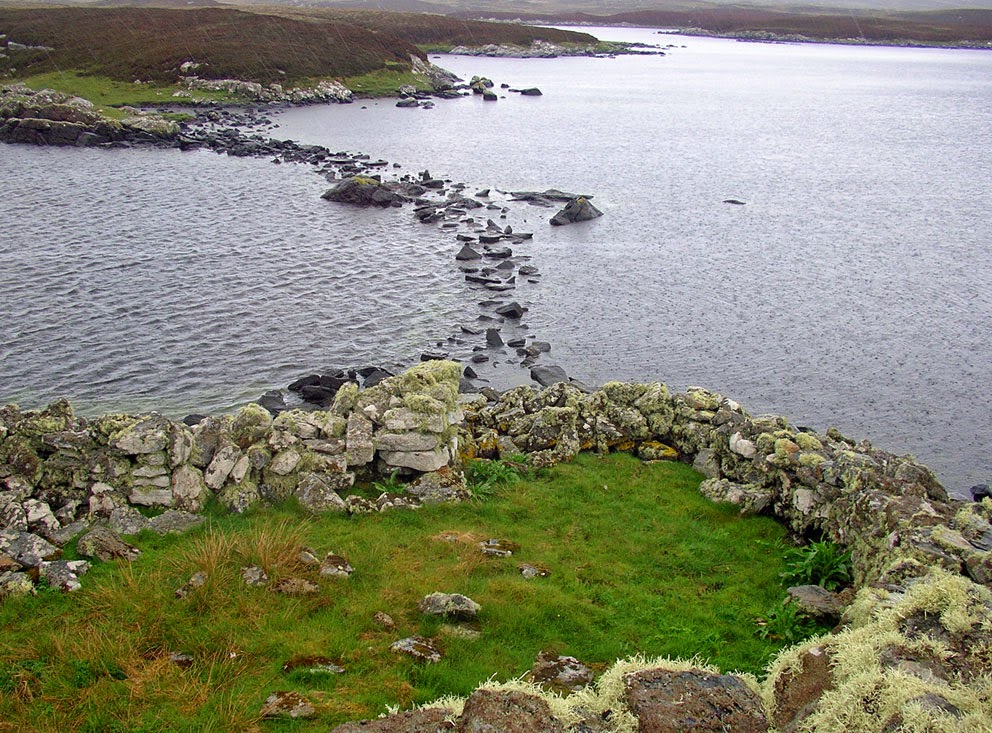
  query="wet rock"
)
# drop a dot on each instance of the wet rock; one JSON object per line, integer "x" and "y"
{"x": 576, "y": 210}
{"x": 449, "y": 605}
{"x": 666, "y": 701}
{"x": 418, "y": 647}
{"x": 493, "y": 338}
{"x": 273, "y": 401}
{"x": 505, "y": 711}
{"x": 363, "y": 191}
{"x": 285, "y": 704}
{"x": 531, "y": 92}
{"x": 466, "y": 253}
{"x": 511, "y": 310}
{"x": 560, "y": 673}
{"x": 548, "y": 375}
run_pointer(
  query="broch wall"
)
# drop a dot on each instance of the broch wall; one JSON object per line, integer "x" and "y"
{"x": 913, "y": 652}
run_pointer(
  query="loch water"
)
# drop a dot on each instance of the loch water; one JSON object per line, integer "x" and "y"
{"x": 851, "y": 289}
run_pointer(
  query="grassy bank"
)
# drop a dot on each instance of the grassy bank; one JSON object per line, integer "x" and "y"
{"x": 638, "y": 562}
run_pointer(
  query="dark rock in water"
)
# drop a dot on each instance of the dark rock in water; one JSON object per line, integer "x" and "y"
{"x": 979, "y": 492}
{"x": 489, "y": 96}
{"x": 471, "y": 331}
{"x": 483, "y": 193}
{"x": 317, "y": 395}
{"x": 434, "y": 183}
{"x": 579, "y": 209}
{"x": 548, "y": 375}
{"x": 194, "y": 419}
{"x": 493, "y": 338}
{"x": 464, "y": 238}
{"x": 734, "y": 201}
{"x": 516, "y": 343}
{"x": 526, "y": 270}
{"x": 506, "y": 265}
{"x": 470, "y": 372}
{"x": 409, "y": 102}
{"x": 531, "y": 92}
{"x": 490, "y": 238}
{"x": 273, "y": 401}
{"x": 498, "y": 252}
{"x": 552, "y": 194}
{"x": 334, "y": 381}
{"x": 433, "y": 356}
{"x": 465, "y": 386}
{"x": 467, "y": 253}
{"x": 310, "y": 380}
{"x": 376, "y": 376}
{"x": 542, "y": 347}
{"x": 363, "y": 191}
{"x": 479, "y": 358}
{"x": 511, "y": 310}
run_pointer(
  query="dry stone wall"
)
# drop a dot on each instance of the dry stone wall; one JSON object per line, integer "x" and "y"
{"x": 915, "y": 644}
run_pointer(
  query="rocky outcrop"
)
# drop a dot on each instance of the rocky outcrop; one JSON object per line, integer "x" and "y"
{"x": 324, "y": 91}
{"x": 51, "y": 118}
{"x": 578, "y": 209}
{"x": 364, "y": 191}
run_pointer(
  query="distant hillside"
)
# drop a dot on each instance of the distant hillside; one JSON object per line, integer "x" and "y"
{"x": 152, "y": 43}
{"x": 279, "y": 44}
{"x": 938, "y": 27}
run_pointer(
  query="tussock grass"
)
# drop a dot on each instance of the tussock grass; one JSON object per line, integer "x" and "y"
{"x": 640, "y": 563}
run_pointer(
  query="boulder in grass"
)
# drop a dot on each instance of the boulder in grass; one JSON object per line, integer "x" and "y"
{"x": 449, "y": 605}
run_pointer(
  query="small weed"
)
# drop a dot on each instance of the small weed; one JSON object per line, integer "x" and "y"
{"x": 391, "y": 485}
{"x": 819, "y": 563}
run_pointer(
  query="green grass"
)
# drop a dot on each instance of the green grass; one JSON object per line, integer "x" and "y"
{"x": 639, "y": 563}
{"x": 385, "y": 82}
{"x": 107, "y": 94}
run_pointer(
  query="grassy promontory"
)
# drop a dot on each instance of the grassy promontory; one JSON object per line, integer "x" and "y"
{"x": 97, "y": 51}
{"x": 638, "y": 561}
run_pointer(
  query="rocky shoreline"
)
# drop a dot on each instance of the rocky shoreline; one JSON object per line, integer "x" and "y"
{"x": 915, "y": 631}
{"x": 486, "y": 244}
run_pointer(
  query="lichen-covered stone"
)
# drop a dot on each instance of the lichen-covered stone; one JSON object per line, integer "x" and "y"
{"x": 105, "y": 545}
{"x": 507, "y": 711}
{"x": 189, "y": 489}
{"x": 450, "y": 605}
{"x": 666, "y": 701}
{"x": 318, "y": 492}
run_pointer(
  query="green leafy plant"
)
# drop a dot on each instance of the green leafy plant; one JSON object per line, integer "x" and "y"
{"x": 820, "y": 563}
{"x": 786, "y": 623}
{"x": 486, "y": 478}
